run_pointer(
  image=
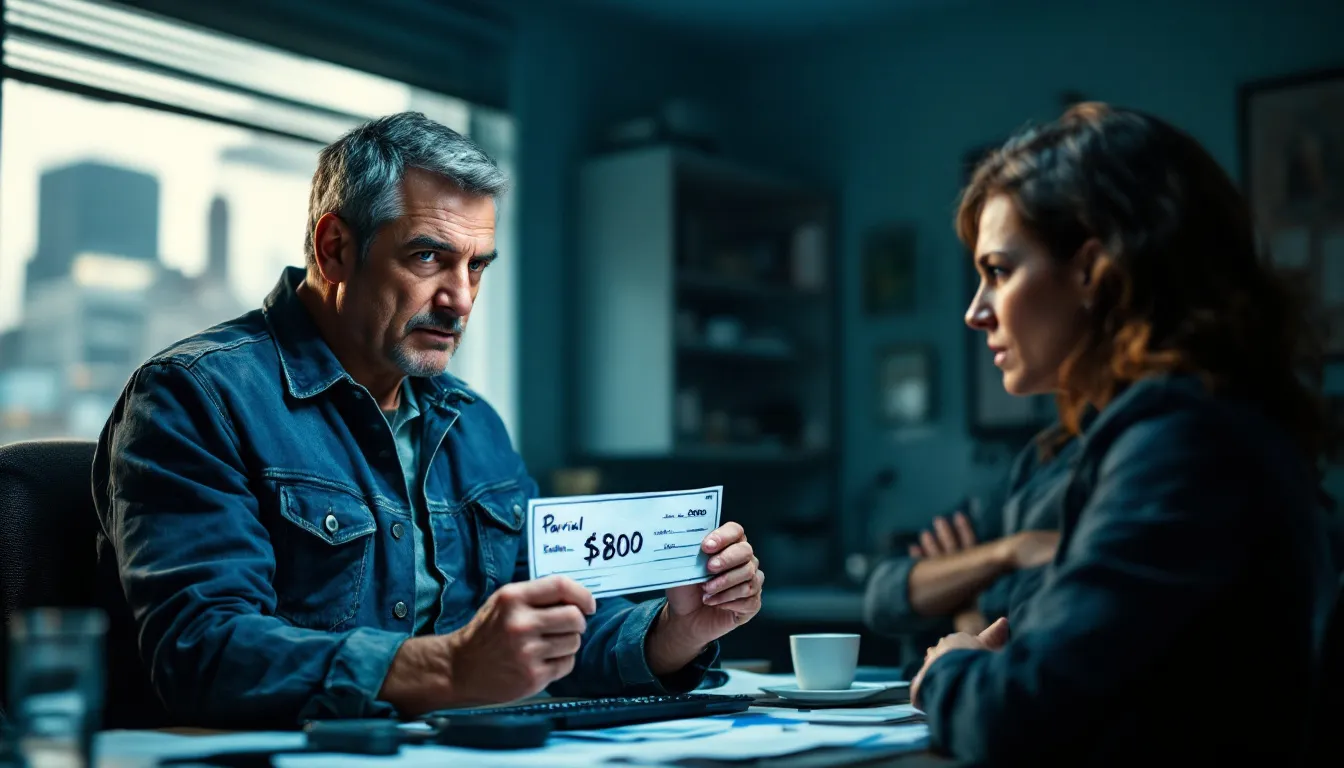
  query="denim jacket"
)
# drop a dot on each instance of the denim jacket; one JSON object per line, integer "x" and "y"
{"x": 251, "y": 494}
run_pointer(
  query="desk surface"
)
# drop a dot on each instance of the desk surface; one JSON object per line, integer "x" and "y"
{"x": 144, "y": 749}
{"x": 760, "y": 738}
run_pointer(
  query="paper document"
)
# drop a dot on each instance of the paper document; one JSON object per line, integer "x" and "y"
{"x": 890, "y": 715}
{"x": 669, "y": 730}
{"x": 742, "y": 682}
{"x": 621, "y": 543}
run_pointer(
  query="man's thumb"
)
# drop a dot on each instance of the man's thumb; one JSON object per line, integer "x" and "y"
{"x": 995, "y": 635}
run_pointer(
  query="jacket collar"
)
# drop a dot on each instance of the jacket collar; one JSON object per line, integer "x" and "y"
{"x": 1141, "y": 399}
{"x": 311, "y": 368}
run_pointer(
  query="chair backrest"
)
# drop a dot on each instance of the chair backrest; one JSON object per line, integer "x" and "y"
{"x": 47, "y": 525}
{"x": 49, "y": 557}
{"x": 47, "y": 530}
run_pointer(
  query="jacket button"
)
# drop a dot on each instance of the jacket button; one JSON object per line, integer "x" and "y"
{"x": 399, "y": 610}
{"x": 397, "y": 530}
{"x": 517, "y": 510}
{"x": 331, "y": 523}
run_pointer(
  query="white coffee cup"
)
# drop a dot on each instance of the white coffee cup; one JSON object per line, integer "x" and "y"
{"x": 824, "y": 662}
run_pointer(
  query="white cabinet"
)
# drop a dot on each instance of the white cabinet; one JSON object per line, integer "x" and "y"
{"x": 705, "y": 314}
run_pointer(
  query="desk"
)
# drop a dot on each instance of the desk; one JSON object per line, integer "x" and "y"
{"x": 755, "y": 738}
{"x": 138, "y": 749}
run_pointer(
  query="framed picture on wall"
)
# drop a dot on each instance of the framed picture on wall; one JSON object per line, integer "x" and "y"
{"x": 905, "y": 386}
{"x": 889, "y": 270}
{"x": 1292, "y": 160}
{"x": 992, "y": 414}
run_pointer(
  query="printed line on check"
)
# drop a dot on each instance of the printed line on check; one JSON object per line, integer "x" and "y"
{"x": 651, "y": 587}
{"x": 603, "y": 568}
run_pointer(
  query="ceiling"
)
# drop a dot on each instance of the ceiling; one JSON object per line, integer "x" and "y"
{"x": 773, "y": 18}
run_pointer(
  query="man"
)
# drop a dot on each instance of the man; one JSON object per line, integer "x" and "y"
{"x": 311, "y": 518}
{"x": 965, "y": 573}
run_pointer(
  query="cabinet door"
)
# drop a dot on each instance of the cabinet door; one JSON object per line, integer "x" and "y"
{"x": 625, "y": 287}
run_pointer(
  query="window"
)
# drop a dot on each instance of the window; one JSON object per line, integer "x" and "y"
{"x": 155, "y": 182}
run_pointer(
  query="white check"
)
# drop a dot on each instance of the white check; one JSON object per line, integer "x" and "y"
{"x": 624, "y": 542}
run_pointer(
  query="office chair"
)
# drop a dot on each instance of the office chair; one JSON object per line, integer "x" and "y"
{"x": 48, "y": 558}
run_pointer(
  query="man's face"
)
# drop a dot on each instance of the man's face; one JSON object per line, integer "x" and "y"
{"x": 409, "y": 302}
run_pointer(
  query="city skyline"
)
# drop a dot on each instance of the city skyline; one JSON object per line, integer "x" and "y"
{"x": 194, "y": 162}
{"x": 98, "y": 299}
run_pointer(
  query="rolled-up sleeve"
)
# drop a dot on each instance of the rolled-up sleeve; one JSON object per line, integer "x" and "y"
{"x": 886, "y": 599}
{"x": 196, "y": 566}
{"x": 886, "y": 602}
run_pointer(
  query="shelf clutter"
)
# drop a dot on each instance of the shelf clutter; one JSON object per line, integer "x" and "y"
{"x": 708, "y": 298}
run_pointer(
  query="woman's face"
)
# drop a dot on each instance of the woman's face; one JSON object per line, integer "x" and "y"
{"x": 1030, "y": 306}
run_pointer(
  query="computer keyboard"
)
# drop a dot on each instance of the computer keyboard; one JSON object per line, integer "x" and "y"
{"x": 606, "y": 713}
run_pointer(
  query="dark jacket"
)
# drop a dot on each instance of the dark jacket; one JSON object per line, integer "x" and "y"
{"x": 250, "y": 493}
{"x": 1183, "y": 615}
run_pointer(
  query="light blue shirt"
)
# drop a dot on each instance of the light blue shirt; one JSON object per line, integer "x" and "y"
{"x": 428, "y": 584}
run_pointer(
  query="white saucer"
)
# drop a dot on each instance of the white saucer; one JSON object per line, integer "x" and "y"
{"x": 855, "y": 692}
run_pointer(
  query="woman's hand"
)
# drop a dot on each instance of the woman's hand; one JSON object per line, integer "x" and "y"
{"x": 992, "y": 639}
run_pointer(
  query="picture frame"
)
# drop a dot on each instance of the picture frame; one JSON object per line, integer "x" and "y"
{"x": 906, "y": 385}
{"x": 889, "y": 270}
{"x": 1292, "y": 168}
{"x": 992, "y": 414}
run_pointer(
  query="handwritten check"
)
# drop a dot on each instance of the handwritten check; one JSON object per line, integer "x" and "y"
{"x": 620, "y": 543}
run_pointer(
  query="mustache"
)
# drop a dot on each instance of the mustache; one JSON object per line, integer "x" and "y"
{"x": 437, "y": 321}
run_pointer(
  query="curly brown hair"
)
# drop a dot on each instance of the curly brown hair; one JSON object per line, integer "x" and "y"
{"x": 1181, "y": 287}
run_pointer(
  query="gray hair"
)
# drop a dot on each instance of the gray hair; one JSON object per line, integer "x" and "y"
{"x": 359, "y": 176}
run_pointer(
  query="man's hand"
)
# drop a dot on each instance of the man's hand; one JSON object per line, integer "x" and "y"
{"x": 992, "y": 639}
{"x": 1029, "y": 549}
{"x": 698, "y": 614}
{"x": 523, "y": 639}
{"x": 945, "y": 538}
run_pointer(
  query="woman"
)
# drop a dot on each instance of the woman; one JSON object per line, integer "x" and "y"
{"x": 1181, "y": 618}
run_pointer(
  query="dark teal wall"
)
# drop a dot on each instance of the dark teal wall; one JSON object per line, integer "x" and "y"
{"x": 884, "y": 117}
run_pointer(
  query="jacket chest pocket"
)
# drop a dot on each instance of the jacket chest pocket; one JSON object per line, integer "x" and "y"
{"x": 322, "y": 553}
{"x": 498, "y": 516}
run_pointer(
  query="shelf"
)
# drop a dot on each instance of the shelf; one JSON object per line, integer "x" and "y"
{"x": 745, "y": 454}
{"x": 638, "y": 212}
{"x": 738, "y": 353}
{"x": 712, "y": 285}
{"x": 748, "y": 453}
{"x": 712, "y": 173}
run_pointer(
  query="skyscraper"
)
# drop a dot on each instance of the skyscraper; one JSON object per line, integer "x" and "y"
{"x": 93, "y": 207}
{"x": 217, "y": 245}
{"x": 85, "y": 300}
